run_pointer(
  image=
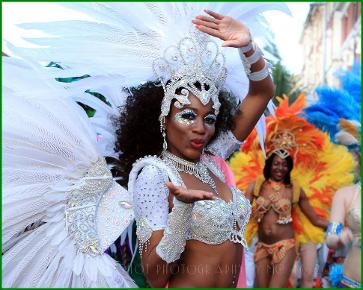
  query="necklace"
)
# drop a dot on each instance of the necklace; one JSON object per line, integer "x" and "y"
{"x": 276, "y": 187}
{"x": 198, "y": 169}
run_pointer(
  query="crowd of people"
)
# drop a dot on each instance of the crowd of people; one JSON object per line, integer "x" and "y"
{"x": 175, "y": 93}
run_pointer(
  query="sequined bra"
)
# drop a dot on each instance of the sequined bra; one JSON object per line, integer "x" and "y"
{"x": 281, "y": 206}
{"x": 275, "y": 201}
{"x": 216, "y": 221}
{"x": 208, "y": 221}
{"x": 353, "y": 218}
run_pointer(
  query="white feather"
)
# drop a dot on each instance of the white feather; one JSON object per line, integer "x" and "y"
{"x": 48, "y": 147}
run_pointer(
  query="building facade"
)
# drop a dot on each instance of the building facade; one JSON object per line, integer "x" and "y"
{"x": 331, "y": 40}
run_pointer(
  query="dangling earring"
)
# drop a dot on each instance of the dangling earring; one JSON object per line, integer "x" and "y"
{"x": 163, "y": 133}
{"x": 165, "y": 145}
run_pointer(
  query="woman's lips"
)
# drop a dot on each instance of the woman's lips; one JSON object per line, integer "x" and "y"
{"x": 279, "y": 174}
{"x": 197, "y": 144}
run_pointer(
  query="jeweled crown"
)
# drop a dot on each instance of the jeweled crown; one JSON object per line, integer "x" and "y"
{"x": 283, "y": 144}
{"x": 195, "y": 66}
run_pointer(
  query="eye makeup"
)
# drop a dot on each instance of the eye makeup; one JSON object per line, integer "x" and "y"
{"x": 186, "y": 117}
{"x": 210, "y": 120}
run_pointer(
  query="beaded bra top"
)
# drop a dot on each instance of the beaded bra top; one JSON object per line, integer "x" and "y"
{"x": 209, "y": 221}
{"x": 215, "y": 221}
{"x": 275, "y": 201}
{"x": 281, "y": 206}
{"x": 353, "y": 218}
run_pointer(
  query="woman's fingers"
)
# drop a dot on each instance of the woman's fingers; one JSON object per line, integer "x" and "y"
{"x": 188, "y": 195}
{"x": 346, "y": 236}
{"x": 207, "y": 195}
{"x": 207, "y": 19}
{"x": 213, "y": 14}
{"x": 200, "y": 194}
{"x": 172, "y": 188}
{"x": 210, "y": 31}
{"x": 205, "y": 23}
{"x": 231, "y": 43}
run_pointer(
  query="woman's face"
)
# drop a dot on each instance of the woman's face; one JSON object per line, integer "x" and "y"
{"x": 279, "y": 168}
{"x": 188, "y": 130}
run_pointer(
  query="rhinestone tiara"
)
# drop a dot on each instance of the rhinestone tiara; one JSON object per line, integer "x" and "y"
{"x": 283, "y": 143}
{"x": 195, "y": 66}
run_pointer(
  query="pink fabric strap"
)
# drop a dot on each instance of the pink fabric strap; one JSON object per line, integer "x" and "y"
{"x": 229, "y": 177}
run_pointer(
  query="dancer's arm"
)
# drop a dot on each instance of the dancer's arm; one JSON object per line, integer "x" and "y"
{"x": 310, "y": 213}
{"x": 249, "y": 191}
{"x": 337, "y": 236}
{"x": 161, "y": 235}
{"x": 236, "y": 34}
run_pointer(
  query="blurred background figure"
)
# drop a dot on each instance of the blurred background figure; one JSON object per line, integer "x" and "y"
{"x": 344, "y": 231}
{"x": 315, "y": 171}
{"x": 309, "y": 266}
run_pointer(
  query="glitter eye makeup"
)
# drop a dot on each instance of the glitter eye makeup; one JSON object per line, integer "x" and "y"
{"x": 186, "y": 117}
{"x": 210, "y": 119}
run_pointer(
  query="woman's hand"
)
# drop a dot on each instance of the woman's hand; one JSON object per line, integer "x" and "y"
{"x": 189, "y": 195}
{"x": 231, "y": 31}
{"x": 346, "y": 236}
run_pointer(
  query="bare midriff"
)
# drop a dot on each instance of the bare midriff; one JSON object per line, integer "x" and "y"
{"x": 352, "y": 264}
{"x": 203, "y": 265}
{"x": 269, "y": 231}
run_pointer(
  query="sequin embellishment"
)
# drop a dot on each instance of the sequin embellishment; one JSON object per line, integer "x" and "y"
{"x": 81, "y": 208}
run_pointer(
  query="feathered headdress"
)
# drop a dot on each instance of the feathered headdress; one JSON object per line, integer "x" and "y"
{"x": 338, "y": 110}
{"x": 349, "y": 134}
{"x": 150, "y": 42}
{"x": 289, "y": 133}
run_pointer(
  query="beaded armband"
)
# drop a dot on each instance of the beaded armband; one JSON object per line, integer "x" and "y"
{"x": 334, "y": 229}
{"x": 173, "y": 242}
{"x": 224, "y": 145}
{"x": 247, "y": 61}
{"x": 143, "y": 233}
{"x": 248, "y": 47}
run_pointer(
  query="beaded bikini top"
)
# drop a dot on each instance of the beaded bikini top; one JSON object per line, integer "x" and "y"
{"x": 353, "y": 217}
{"x": 275, "y": 201}
{"x": 210, "y": 221}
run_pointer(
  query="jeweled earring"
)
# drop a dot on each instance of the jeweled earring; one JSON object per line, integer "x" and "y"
{"x": 163, "y": 133}
{"x": 165, "y": 145}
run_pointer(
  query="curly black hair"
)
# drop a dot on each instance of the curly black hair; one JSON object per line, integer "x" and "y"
{"x": 138, "y": 128}
{"x": 268, "y": 165}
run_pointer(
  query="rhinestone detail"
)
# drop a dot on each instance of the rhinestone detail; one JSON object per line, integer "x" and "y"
{"x": 82, "y": 204}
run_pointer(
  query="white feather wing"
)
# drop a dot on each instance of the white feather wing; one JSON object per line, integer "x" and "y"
{"x": 48, "y": 147}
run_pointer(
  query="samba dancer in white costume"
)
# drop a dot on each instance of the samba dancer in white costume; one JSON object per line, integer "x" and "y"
{"x": 61, "y": 207}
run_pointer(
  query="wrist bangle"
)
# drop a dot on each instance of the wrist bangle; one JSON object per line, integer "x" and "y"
{"x": 255, "y": 56}
{"x": 334, "y": 229}
{"x": 261, "y": 74}
{"x": 248, "y": 61}
{"x": 248, "y": 47}
{"x": 245, "y": 63}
